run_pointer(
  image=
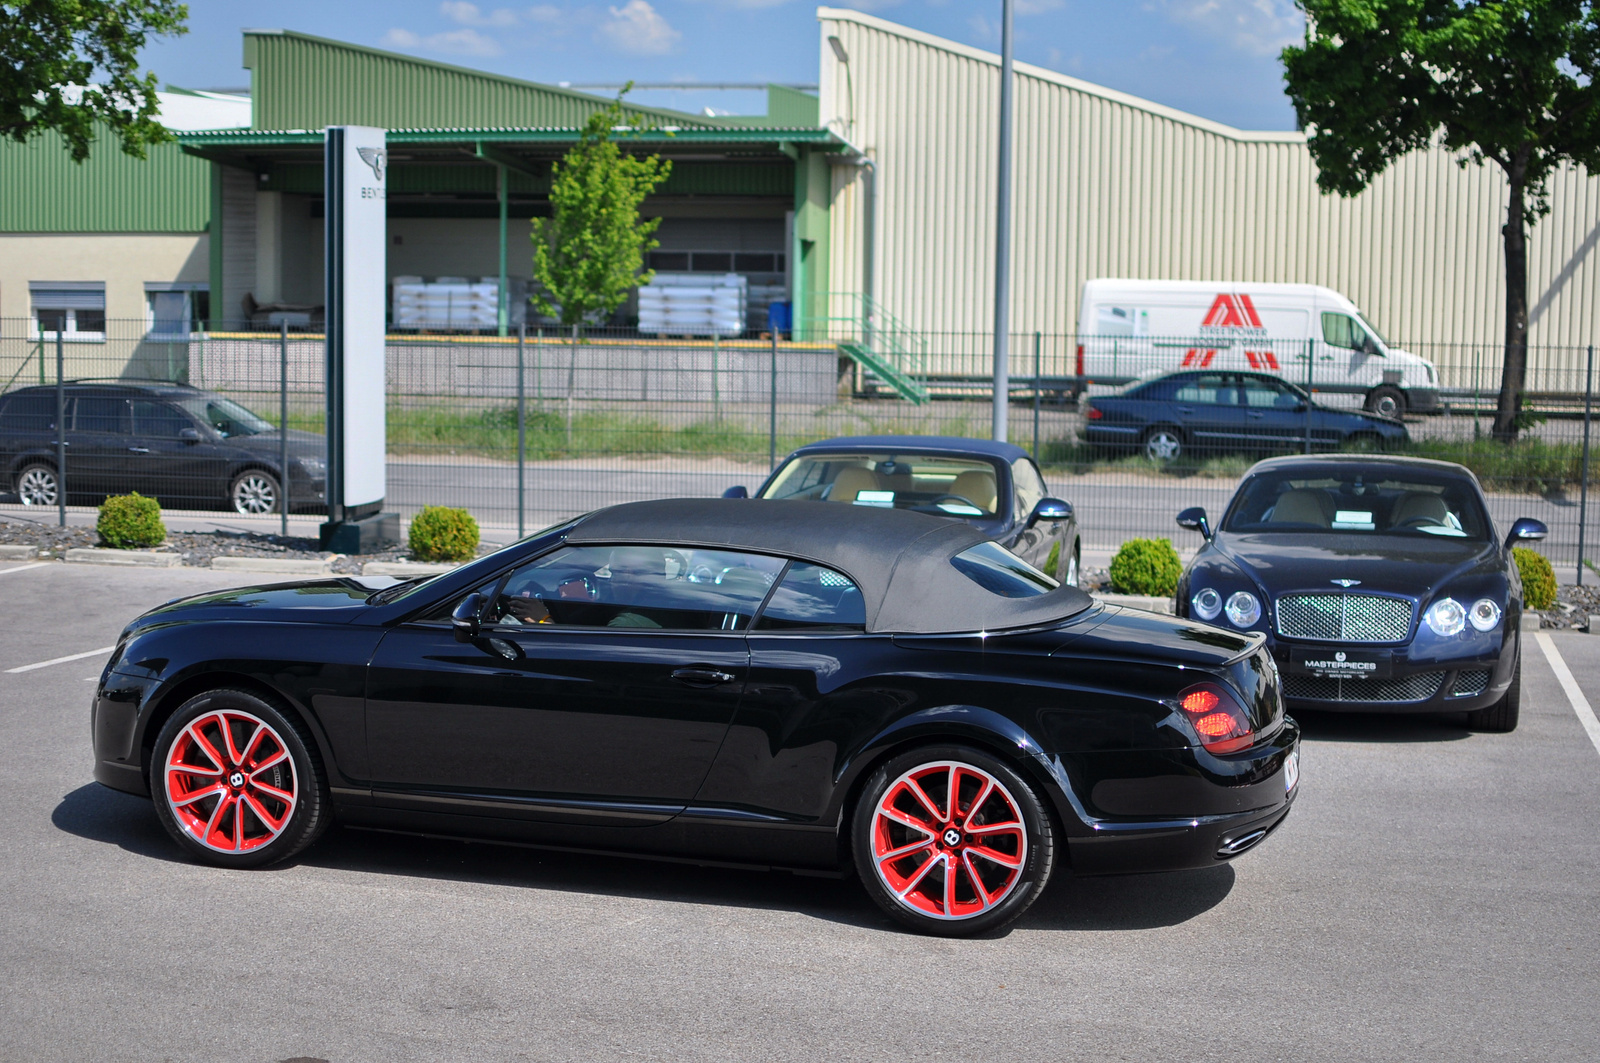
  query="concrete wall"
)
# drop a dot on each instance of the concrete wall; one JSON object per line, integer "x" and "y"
{"x": 124, "y": 261}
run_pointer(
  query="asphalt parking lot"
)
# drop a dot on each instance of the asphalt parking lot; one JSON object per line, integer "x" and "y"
{"x": 1432, "y": 897}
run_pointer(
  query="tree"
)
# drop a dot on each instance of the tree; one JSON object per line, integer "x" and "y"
{"x": 590, "y": 252}
{"x": 52, "y": 51}
{"x": 1505, "y": 81}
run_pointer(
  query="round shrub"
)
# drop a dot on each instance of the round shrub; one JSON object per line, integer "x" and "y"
{"x": 129, "y": 521}
{"x": 440, "y": 533}
{"x": 1538, "y": 578}
{"x": 1146, "y": 566}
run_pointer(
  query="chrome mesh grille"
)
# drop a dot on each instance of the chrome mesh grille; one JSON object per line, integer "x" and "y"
{"x": 1469, "y": 683}
{"x": 1344, "y": 617}
{"x": 1419, "y": 687}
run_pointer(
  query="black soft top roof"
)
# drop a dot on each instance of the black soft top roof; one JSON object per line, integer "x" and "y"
{"x": 899, "y": 559}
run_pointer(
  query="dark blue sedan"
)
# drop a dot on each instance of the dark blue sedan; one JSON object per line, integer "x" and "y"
{"x": 995, "y": 487}
{"x": 1178, "y": 412}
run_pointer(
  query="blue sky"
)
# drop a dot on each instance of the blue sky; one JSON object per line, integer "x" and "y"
{"x": 1216, "y": 58}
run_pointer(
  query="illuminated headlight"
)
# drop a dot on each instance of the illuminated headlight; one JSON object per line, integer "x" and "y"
{"x": 1243, "y": 609}
{"x": 1446, "y": 617}
{"x": 1484, "y": 614}
{"x": 1207, "y": 604}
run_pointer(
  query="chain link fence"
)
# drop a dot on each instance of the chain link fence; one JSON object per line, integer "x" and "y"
{"x": 526, "y": 429}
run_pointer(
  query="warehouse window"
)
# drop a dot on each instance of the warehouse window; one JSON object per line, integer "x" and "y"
{"x": 73, "y": 310}
{"x": 175, "y": 310}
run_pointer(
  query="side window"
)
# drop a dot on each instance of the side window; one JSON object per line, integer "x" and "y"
{"x": 813, "y": 598}
{"x": 94, "y": 413}
{"x": 1030, "y": 486}
{"x": 1207, "y": 389}
{"x": 28, "y": 413}
{"x": 158, "y": 420}
{"x": 635, "y": 587}
{"x": 1341, "y": 330}
{"x": 1268, "y": 394}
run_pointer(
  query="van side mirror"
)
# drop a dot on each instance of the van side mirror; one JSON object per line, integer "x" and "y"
{"x": 467, "y": 617}
{"x": 1194, "y": 518}
{"x": 736, "y": 492}
{"x": 1526, "y": 529}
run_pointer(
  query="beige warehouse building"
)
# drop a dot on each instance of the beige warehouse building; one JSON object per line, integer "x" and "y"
{"x": 1110, "y": 185}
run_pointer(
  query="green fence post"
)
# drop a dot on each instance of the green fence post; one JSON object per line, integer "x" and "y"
{"x": 1038, "y": 341}
{"x": 1583, "y": 487}
{"x": 772, "y": 409}
{"x": 522, "y": 433}
{"x": 283, "y": 427}
{"x": 61, "y": 428}
{"x": 1310, "y": 354}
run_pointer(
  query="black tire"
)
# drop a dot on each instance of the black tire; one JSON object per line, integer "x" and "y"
{"x": 1386, "y": 401}
{"x": 241, "y": 819}
{"x": 1163, "y": 443}
{"x": 987, "y": 893}
{"x": 255, "y": 493}
{"x": 38, "y": 485}
{"x": 1501, "y": 717}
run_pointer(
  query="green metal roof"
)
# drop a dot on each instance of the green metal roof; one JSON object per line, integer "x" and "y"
{"x": 658, "y": 137}
{"x": 305, "y": 82}
{"x": 42, "y": 190}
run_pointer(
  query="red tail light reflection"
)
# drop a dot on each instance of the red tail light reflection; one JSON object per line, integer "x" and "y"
{"x": 1221, "y": 721}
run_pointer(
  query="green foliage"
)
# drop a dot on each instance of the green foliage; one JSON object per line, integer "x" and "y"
{"x": 1538, "y": 578}
{"x": 129, "y": 521}
{"x": 1146, "y": 566}
{"x": 589, "y": 254}
{"x": 441, "y": 533}
{"x": 1505, "y": 81}
{"x": 67, "y": 65}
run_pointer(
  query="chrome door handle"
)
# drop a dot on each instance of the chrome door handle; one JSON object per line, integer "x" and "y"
{"x": 702, "y": 677}
{"x": 1185, "y": 409}
{"x": 1254, "y": 414}
{"x": 140, "y": 450}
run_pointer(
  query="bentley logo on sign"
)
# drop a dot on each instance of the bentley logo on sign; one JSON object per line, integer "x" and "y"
{"x": 1345, "y": 583}
{"x": 375, "y": 158}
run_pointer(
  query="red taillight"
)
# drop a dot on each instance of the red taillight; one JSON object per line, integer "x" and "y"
{"x": 1080, "y": 359}
{"x": 1221, "y": 722}
{"x": 1093, "y": 414}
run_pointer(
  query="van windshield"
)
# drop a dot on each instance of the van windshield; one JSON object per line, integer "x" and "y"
{"x": 1372, "y": 330}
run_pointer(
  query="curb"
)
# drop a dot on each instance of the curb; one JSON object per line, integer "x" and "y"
{"x": 1530, "y": 620}
{"x": 1149, "y": 602}
{"x": 404, "y": 569}
{"x": 18, "y": 552}
{"x": 99, "y": 555}
{"x": 285, "y": 566}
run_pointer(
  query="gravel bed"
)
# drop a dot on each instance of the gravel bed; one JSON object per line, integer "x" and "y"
{"x": 198, "y": 548}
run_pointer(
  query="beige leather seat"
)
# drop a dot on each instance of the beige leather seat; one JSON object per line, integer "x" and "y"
{"x": 1422, "y": 504}
{"x": 1300, "y": 507}
{"x": 977, "y": 487}
{"x": 852, "y": 479}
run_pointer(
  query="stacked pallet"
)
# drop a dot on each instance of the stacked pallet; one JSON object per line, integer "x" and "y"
{"x": 450, "y": 303}
{"x": 693, "y": 304}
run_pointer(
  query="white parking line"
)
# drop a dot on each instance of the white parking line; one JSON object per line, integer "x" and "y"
{"x": 1580, "y": 704}
{"x": 60, "y": 660}
{"x": 24, "y": 568}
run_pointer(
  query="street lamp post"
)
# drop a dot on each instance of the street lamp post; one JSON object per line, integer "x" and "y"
{"x": 1002, "y": 236}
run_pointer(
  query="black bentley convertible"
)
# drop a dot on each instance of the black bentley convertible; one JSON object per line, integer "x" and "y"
{"x": 811, "y": 687}
{"x": 1380, "y": 584}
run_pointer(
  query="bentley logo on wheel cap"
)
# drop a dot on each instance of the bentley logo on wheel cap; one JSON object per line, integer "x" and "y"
{"x": 952, "y": 837}
{"x": 1346, "y": 583}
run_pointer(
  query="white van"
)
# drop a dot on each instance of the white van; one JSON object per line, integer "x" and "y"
{"x": 1309, "y": 335}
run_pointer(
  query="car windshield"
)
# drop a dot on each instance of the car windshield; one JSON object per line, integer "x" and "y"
{"x": 948, "y": 486}
{"x": 1358, "y": 502}
{"x": 227, "y": 417}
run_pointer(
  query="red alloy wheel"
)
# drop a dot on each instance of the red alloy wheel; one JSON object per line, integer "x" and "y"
{"x": 230, "y": 781}
{"x": 948, "y": 840}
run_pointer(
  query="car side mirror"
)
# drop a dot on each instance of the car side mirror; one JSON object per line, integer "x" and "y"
{"x": 1302, "y": 406}
{"x": 1050, "y": 509}
{"x": 188, "y": 435}
{"x": 1194, "y": 518}
{"x": 1526, "y": 529}
{"x": 467, "y": 617}
{"x": 736, "y": 492}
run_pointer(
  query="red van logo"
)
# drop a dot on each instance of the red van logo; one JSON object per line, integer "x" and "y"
{"x": 1231, "y": 319}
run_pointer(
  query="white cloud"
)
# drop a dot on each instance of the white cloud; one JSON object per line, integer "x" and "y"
{"x": 1260, "y": 27}
{"x": 470, "y": 15}
{"x": 455, "y": 42}
{"x": 983, "y": 28}
{"x": 544, "y": 13}
{"x": 637, "y": 28}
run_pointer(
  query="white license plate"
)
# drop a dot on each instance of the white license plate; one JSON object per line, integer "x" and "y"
{"x": 1291, "y": 771}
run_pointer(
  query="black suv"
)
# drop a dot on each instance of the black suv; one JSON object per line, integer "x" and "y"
{"x": 178, "y": 444}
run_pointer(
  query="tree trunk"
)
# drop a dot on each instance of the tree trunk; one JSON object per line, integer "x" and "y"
{"x": 1515, "y": 372}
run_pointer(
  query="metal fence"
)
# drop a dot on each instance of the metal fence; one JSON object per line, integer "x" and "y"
{"x": 525, "y": 430}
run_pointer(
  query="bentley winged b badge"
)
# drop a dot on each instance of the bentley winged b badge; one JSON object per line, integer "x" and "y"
{"x": 375, "y": 158}
{"x": 1345, "y": 583}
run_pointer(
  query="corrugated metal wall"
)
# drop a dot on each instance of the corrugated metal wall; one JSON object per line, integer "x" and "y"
{"x": 1108, "y": 185}
{"x": 303, "y": 82}
{"x": 43, "y": 190}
